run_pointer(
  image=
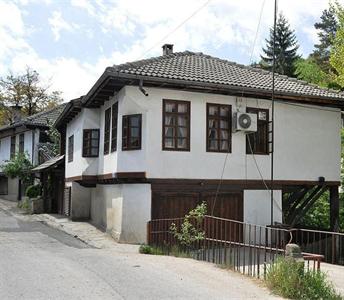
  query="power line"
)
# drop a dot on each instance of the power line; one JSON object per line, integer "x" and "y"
{"x": 260, "y": 173}
{"x": 176, "y": 28}
{"x": 225, "y": 161}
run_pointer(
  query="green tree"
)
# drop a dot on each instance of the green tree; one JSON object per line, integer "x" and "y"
{"x": 327, "y": 28}
{"x": 286, "y": 47}
{"x": 337, "y": 50}
{"x": 27, "y": 91}
{"x": 310, "y": 71}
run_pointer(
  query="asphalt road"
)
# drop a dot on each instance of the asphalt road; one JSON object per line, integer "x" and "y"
{"x": 39, "y": 262}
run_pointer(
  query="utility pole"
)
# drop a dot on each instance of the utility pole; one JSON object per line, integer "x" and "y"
{"x": 272, "y": 116}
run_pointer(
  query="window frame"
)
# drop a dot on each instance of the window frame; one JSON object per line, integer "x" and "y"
{"x": 107, "y": 132}
{"x": 128, "y": 136}
{"x": 13, "y": 147}
{"x": 176, "y": 114}
{"x": 70, "y": 150}
{"x": 218, "y": 118}
{"x": 256, "y": 110}
{"x": 21, "y": 147}
{"x": 114, "y": 127}
{"x": 87, "y": 149}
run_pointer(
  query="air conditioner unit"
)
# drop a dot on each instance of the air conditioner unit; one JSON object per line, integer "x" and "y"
{"x": 244, "y": 122}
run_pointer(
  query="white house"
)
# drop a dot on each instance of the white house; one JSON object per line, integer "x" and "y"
{"x": 153, "y": 138}
{"x": 27, "y": 135}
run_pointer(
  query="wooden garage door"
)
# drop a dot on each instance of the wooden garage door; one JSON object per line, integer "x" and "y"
{"x": 176, "y": 205}
{"x": 167, "y": 205}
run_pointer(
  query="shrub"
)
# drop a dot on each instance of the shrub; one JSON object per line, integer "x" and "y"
{"x": 33, "y": 191}
{"x": 19, "y": 166}
{"x": 190, "y": 233}
{"x": 146, "y": 249}
{"x": 286, "y": 278}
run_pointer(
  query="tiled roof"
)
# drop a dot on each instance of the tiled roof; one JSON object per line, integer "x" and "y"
{"x": 198, "y": 67}
{"x": 41, "y": 119}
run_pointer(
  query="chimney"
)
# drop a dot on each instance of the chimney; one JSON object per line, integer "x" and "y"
{"x": 16, "y": 112}
{"x": 167, "y": 49}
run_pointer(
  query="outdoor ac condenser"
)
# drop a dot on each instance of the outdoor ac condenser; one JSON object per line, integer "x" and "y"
{"x": 244, "y": 122}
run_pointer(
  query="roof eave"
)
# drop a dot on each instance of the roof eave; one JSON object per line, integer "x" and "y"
{"x": 112, "y": 74}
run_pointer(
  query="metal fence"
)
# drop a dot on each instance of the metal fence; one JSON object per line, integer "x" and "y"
{"x": 326, "y": 243}
{"x": 243, "y": 247}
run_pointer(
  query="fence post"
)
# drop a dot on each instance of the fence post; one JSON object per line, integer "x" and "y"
{"x": 148, "y": 233}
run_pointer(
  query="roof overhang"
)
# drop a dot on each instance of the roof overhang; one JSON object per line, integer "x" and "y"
{"x": 49, "y": 164}
{"x": 111, "y": 81}
{"x": 69, "y": 112}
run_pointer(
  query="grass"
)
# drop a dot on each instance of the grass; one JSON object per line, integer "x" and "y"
{"x": 288, "y": 278}
{"x": 174, "y": 251}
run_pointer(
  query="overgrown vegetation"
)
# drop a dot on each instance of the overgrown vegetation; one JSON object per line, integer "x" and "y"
{"x": 24, "y": 204}
{"x": 19, "y": 167}
{"x": 189, "y": 231}
{"x": 33, "y": 191}
{"x": 288, "y": 278}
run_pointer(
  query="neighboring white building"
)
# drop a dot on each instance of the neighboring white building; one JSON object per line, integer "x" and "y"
{"x": 153, "y": 138}
{"x": 27, "y": 135}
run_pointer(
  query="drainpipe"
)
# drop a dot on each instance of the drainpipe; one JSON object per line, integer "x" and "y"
{"x": 143, "y": 91}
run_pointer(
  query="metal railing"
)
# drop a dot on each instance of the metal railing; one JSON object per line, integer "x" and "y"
{"x": 46, "y": 151}
{"x": 243, "y": 247}
{"x": 326, "y": 243}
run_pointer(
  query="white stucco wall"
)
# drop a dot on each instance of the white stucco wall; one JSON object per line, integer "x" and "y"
{"x": 81, "y": 201}
{"x": 5, "y": 149}
{"x": 122, "y": 210}
{"x": 136, "y": 212}
{"x": 307, "y": 141}
{"x": 257, "y": 207}
{"x": 86, "y": 119}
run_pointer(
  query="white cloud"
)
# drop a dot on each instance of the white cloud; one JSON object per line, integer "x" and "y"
{"x": 143, "y": 24}
{"x": 58, "y": 24}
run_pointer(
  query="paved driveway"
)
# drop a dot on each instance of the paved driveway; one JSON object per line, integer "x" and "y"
{"x": 39, "y": 262}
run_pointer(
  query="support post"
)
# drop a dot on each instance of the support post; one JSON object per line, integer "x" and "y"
{"x": 334, "y": 208}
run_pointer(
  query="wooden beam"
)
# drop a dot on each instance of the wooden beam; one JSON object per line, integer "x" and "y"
{"x": 334, "y": 208}
{"x": 308, "y": 205}
{"x": 296, "y": 209}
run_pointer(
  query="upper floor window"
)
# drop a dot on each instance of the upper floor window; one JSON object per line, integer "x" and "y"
{"x": 13, "y": 147}
{"x": 131, "y": 132}
{"x": 114, "y": 127}
{"x": 70, "y": 148}
{"x": 107, "y": 131}
{"x": 21, "y": 143}
{"x": 90, "y": 143}
{"x": 219, "y": 118}
{"x": 258, "y": 142}
{"x": 176, "y": 125}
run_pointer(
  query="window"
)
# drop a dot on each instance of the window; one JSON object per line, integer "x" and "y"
{"x": 21, "y": 143}
{"x": 176, "y": 125}
{"x": 13, "y": 147}
{"x": 114, "y": 127}
{"x": 259, "y": 141}
{"x": 219, "y": 122}
{"x": 70, "y": 148}
{"x": 131, "y": 132}
{"x": 107, "y": 131}
{"x": 90, "y": 147}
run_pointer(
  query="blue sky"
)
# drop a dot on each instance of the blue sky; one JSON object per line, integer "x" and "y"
{"x": 70, "y": 42}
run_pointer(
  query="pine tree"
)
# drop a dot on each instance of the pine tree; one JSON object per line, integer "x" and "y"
{"x": 285, "y": 50}
{"x": 327, "y": 31}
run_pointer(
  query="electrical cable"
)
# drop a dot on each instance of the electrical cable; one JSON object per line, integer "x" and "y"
{"x": 176, "y": 28}
{"x": 225, "y": 161}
